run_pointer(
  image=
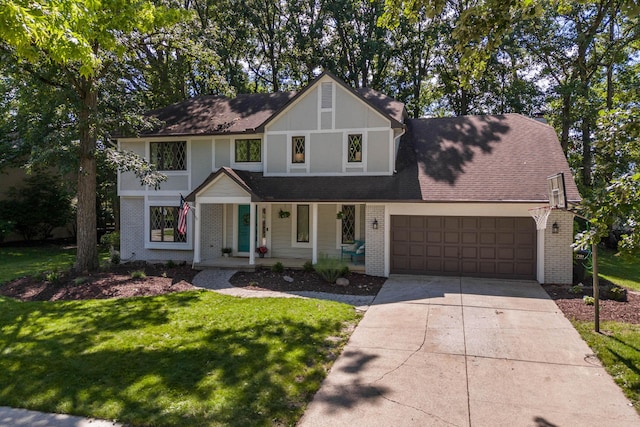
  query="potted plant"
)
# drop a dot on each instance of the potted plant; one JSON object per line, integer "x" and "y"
{"x": 340, "y": 215}
{"x": 284, "y": 214}
{"x": 261, "y": 250}
{"x": 226, "y": 252}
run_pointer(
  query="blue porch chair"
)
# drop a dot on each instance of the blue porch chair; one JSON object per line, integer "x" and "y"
{"x": 354, "y": 252}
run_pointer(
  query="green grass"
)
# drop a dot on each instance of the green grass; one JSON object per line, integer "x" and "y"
{"x": 184, "y": 359}
{"x": 18, "y": 262}
{"x": 619, "y": 351}
{"x": 619, "y": 270}
{"x": 23, "y": 261}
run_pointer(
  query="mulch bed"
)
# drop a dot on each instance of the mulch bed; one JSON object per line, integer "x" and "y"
{"x": 116, "y": 282}
{"x": 265, "y": 279}
{"x": 573, "y": 306}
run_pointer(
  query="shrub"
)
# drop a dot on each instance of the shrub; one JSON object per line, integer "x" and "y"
{"x": 111, "y": 240}
{"x": 617, "y": 293}
{"x": 588, "y": 300}
{"x": 308, "y": 267}
{"x": 277, "y": 267}
{"x": 575, "y": 289}
{"x": 170, "y": 264}
{"x": 329, "y": 269}
{"x": 52, "y": 276}
{"x": 138, "y": 274}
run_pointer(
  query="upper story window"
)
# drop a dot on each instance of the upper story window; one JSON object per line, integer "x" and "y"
{"x": 248, "y": 150}
{"x": 298, "y": 149}
{"x": 169, "y": 156}
{"x": 354, "y": 148}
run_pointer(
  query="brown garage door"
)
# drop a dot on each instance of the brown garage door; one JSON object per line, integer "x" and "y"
{"x": 466, "y": 246}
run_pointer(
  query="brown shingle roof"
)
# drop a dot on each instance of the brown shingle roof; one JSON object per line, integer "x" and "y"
{"x": 504, "y": 158}
{"x": 384, "y": 103}
{"x": 211, "y": 115}
{"x": 487, "y": 158}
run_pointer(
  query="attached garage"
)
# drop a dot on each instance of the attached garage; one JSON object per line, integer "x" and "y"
{"x": 499, "y": 247}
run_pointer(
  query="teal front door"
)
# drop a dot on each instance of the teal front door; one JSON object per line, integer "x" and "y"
{"x": 244, "y": 224}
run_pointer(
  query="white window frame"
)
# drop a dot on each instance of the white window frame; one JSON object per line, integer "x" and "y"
{"x": 149, "y": 244}
{"x": 294, "y": 226}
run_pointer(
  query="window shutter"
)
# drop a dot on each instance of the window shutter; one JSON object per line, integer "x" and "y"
{"x": 327, "y": 95}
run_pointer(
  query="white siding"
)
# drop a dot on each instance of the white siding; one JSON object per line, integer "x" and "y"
{"x": 281, "y": 235}
{"x": 223, "y": 187}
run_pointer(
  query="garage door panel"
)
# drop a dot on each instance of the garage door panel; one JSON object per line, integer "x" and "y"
{"x": 417, "y": 251}
{"x": 469, "y": 253}
{"x": 450, "y": 252}
{"x": 416, "y": 236}
{"x": 503, "y": 238}
{"x": 434, "y": 251}
{"x": 451, "y": 237}
{"x": 417, "y": 222}
{"x": 472, "y": 246}
{"x": 434, "y": 237}
{"x": 487, "y": 253}
{"x": 506, "y": 253}
{"x": 469, "y": 237}
{"x": 487, "y": 238}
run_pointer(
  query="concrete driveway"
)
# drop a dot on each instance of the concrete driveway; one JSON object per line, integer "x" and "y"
{"x": 435, "y": 351}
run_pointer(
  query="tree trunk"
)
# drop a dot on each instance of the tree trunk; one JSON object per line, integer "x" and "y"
{"x": 566, "y": 122}
{"x": 87, "y": 255}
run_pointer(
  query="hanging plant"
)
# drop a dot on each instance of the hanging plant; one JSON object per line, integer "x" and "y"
{"x": 284, "y": 214}
{"x": 340, "y": 215}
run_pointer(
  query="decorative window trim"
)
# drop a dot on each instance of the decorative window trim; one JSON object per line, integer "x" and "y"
{"x": 298, "y": 150}
{"x": 355, "y": 138}
{"x": 358, "y": 221}
{"x": 161, "y": 167}
{"x": 248, "y": 142}
{"x": 294, "y": 226}
{"x": 151, "y": 244}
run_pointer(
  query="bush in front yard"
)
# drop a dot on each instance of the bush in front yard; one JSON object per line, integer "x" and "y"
{"x": 330, "y": 268}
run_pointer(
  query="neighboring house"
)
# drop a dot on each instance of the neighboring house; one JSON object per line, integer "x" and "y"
{"x": 428, "y": 196}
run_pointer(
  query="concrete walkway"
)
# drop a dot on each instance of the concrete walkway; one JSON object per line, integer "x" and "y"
{"x": 11, "y": 417}
{"x": 435, "y": 351}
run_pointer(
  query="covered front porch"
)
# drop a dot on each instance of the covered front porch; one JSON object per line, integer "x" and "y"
{"x": 231, "y": 218}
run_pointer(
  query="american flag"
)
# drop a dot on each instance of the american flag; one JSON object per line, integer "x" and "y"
{"x": 182, "y": 215}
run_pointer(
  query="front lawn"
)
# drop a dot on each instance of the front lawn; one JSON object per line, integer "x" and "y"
{"x": 619, "y": 270}
{"x": 619, "y": 350}
{"x": 183, "y": 359}
{"x": 19, "y": 261}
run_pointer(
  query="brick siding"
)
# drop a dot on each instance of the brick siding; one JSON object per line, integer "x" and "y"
{"x": 374, "y": 253}
{"x": 558, "y": 254}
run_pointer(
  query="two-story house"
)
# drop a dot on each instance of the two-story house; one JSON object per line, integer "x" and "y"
{"x": 304, "y": 174}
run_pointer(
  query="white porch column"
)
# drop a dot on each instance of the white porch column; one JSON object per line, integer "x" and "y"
{"x": 540, "y": 267}
{"x": 196, "y": 233}
{"x": 252, "y": 233}
{"x": 314, "y": 233}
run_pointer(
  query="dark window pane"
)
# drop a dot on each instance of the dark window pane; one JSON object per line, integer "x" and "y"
{"x": 303, "y": 223}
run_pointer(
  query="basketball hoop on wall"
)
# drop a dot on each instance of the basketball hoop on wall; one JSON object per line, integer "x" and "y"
{"x": 557, "y": 200}
{"x": 540, "y": 215}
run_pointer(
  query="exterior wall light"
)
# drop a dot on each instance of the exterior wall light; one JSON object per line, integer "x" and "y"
{"x": 555, "y": 228}
{"x": 375, "y": 224}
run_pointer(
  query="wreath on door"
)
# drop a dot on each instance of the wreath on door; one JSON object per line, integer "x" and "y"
{"x": 246, "y": 219}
